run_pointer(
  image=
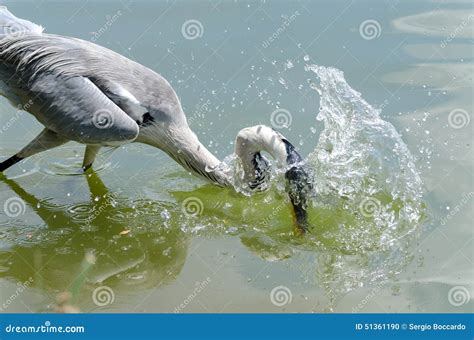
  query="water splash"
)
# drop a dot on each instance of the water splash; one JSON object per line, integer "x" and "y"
{"x": 359, "y": 152}
{"x": 361, "y": 169}
{"x": 366, "y": 176}
{"x": 367, "y": 202}
{"x": 362, "y": 159}
{"x": 367, "y": 206}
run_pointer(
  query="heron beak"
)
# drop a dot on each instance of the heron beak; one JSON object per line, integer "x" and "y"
{"x": 298, "y": 188}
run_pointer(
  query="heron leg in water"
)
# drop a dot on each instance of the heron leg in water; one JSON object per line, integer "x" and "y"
{"x": 46, "y": 140}
{"x": 89, "y": 156}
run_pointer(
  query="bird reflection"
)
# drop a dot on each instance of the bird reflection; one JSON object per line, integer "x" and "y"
{"x": 79, "y": 251}
{"x": 126, "y": 246}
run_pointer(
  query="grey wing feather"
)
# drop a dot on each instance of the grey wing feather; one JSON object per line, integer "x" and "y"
{"x": 34, "y": 55}
{"x": 122, "y": 98}
{"x": 76, "y": 109}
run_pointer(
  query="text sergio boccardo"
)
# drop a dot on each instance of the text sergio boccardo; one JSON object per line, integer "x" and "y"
{"x": 409, "y": 327}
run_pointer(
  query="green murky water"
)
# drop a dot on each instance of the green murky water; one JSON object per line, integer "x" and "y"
{"x": 142, "y": 235}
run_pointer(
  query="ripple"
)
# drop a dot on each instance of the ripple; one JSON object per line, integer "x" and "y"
{"x": 142, "y": 207}
{"x": 64, "y": 166}
{"x": 80, "y": 212}
{"x": 136, "y": 278}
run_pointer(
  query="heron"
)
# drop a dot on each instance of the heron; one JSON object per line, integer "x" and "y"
{"x": 83, "y": 92}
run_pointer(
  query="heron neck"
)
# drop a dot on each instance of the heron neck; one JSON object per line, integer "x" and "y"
{"x": 188, "y": 151}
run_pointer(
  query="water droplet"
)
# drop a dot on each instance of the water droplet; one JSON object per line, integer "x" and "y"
{"x": 165, "y": 215}
{"x": 167, "y": 252}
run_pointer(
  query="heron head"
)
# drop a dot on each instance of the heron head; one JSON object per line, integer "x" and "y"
{"x": 173, "y": 135}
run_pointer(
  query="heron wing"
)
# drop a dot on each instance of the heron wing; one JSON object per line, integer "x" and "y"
{"x": 75, "y": 108}
{"x": 137, "y": 90}
{"x": 33, "y": 55}
{"x": 122, "y": 98}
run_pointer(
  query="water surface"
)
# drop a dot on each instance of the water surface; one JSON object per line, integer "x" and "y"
{"x": 377, "y": 95}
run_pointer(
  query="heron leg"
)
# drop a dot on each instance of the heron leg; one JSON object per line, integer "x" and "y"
{"x": 89, "y": 156}
{"x": 46, "y": 140}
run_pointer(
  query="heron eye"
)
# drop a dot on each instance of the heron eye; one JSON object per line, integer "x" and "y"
{"x": 147, "y": 119}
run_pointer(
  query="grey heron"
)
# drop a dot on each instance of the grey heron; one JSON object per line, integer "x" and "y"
{"x": 86, "y": 93}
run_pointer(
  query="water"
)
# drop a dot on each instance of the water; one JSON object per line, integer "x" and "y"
{"x": 381, "y": 109}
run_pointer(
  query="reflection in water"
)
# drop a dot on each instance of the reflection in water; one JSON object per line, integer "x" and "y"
{"x": 366, "y": 211}
{"x": 367, "y": 205}
{"x": 127, "y": 252}
{"x": 342, "y": 252}
{"x": 440, "y": 23}
{"x": 420, "y": 68}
